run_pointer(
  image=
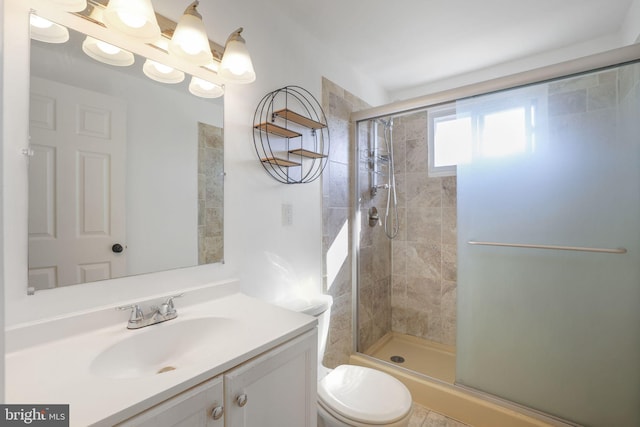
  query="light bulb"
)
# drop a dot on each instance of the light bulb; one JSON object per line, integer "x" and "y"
{"x": 164, "y": 69}
{"x": 189, "y": 41}
{"x": 39, "y": 22}
{"x": 46, "y": 31}
{"x": 236, "y": 63}
{"x": 107, "y": 48}
{"x": 132, "y": 17}
{"x": 131, "y": 20}
{"x": 203, "y": 84}
{"x": 107, "y": 53}
{"x": 162, "y": 73}
{"x": 205, "y": 89}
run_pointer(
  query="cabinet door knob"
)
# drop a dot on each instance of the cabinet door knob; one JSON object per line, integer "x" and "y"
{"x": 241, "y": 400}
{"x": 217, "y": 412}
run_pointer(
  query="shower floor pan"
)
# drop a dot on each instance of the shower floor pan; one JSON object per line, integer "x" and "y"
{"x": 426, "y": 357}
{"x": 428, "y": 371}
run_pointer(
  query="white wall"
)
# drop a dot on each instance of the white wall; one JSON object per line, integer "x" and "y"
{"x": 258, "y": 249}
{"x": 513, "y": 67}
{"x": 628, "y": 33}
{"x": 631, "y": 28}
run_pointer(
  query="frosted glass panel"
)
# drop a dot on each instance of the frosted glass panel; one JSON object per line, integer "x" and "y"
{"x": 558, "y": 331}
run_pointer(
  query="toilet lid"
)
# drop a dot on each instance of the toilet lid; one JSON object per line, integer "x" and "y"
{"x": 364, "y": 395}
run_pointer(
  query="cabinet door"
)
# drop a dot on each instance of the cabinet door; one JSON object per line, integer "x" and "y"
{"x": 193, "y": 408}
{"x": 277, "y": 389}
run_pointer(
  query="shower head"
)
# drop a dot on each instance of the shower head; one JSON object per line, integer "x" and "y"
{"x": 386, "y": 122}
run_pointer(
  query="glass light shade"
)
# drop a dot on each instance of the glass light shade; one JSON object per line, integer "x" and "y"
{"x": 133, "y": 17}
{"x": 236, "y": 65}
{"x": 72, "y": 5}
{"x": 46, "y": 31}
{"x": 107, "y": 53}
{"x": 205, "y": 89}
{"x": 162, "y": 73}
{"x": 190, "y": 41}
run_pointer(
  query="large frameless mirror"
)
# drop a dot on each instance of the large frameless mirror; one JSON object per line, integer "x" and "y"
{"x": 125, "y": 174}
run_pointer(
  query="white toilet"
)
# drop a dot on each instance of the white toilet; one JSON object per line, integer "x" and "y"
{"x": 354, "y": 396}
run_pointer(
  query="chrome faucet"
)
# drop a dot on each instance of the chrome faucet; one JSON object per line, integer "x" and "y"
{"x": 138, "y": 319}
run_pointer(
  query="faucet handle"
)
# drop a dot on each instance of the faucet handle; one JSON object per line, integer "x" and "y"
{"x": 169, "y": 303}
{"x": 136, "y": 312}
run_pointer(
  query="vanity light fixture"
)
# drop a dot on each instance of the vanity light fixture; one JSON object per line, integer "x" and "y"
{"x": 189, "y": 41}
{"x": 236, "y": 65}
{"x": 186, "y": 42}
{"x": 72, "y": 5}
{"x": 133, "y": 17}
{"x": 107, "y": 53}
{"x": 205, "y": 89}
{"x": 162, "y": 73}
{"x": 46, "y": 31}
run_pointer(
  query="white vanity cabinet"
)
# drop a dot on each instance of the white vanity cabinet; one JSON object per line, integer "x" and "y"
{"x": 274, "y": 389}
{"x": 192, "y": 408}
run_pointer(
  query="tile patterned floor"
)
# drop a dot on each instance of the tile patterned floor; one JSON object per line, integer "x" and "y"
{"x": 423, "y": 417}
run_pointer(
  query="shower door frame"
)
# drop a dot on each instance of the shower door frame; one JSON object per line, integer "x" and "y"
{"x": 585, "y": 64}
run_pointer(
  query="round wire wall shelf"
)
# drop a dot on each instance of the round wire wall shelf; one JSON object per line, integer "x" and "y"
{"x": 291, "y": 136}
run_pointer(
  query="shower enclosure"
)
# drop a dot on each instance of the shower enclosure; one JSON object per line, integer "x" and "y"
{"x": 515, "y": 269}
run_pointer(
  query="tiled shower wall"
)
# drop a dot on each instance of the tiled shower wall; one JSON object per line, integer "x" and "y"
{"x": 412, "y": 291}
{"x": 423, "y": 291}
{"x": 374, "y": 268}
{"x": 408, "y": 284}
{"x": 210, "y": 193}
{"x": 338, "y": 105}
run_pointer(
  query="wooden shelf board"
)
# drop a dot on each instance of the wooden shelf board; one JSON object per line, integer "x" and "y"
{"x": 306, "y": 153}
{"x": 279, "y": 162}
{"x": 277, "y": 130}
{"x": 292, "y": 116}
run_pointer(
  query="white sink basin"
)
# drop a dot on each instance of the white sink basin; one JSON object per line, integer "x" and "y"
{"x": 163, "y": 347}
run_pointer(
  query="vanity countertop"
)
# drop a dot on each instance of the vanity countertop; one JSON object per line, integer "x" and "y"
{"x": 62, "y": 371}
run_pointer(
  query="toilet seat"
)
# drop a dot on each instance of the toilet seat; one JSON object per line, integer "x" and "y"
{"x": 364, "y": 395}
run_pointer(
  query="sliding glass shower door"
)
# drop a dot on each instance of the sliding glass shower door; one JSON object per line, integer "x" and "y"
{"x": 549, "y": 247}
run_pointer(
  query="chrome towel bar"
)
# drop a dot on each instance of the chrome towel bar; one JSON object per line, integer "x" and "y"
{"x": 560, "y": 248}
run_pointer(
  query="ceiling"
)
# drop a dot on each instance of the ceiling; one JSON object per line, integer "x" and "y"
{"x": 409, "y": 43}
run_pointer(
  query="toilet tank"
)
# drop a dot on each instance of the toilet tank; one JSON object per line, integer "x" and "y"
{"x": 318, "y": 306}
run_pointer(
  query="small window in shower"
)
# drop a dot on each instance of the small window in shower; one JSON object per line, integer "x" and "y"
{"x": 504, "y": 133}
{"x": 459, "y": 133}
{"x": 450, "y": 140}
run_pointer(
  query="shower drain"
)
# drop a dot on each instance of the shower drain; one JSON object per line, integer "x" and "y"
{"x": 397, "y": 359}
